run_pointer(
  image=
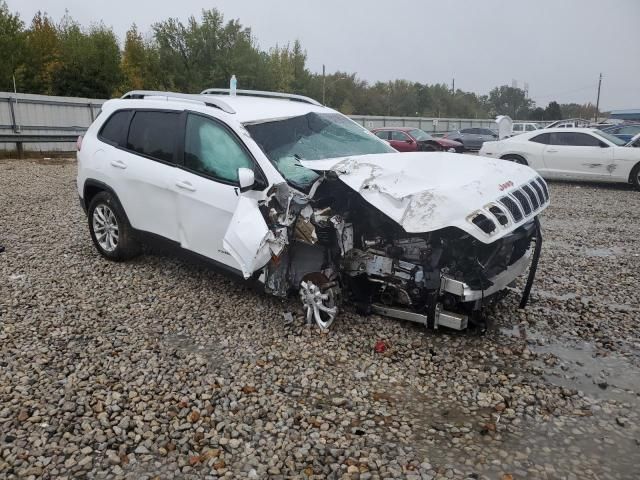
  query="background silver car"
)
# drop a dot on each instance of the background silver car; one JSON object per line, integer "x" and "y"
{"x": 472, "y": 138}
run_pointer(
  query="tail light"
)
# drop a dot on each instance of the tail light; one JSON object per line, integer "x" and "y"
{"x": 79, "y": 143}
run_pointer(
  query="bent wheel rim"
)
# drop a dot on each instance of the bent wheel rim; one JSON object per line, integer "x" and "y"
{"x": 105, "y": 228}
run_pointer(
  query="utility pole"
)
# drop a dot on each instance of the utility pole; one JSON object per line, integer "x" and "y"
{"x": 323, "y": 84}
{"x": 598, "y": 100}
{"x": 453, "y": 85}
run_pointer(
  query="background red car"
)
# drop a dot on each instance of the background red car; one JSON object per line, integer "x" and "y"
{"x": 408, "y": 139}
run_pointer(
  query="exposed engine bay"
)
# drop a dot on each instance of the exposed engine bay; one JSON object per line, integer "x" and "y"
{"x": 340, "y": 249}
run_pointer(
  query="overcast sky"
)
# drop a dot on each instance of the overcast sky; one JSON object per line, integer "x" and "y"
{"x": 558, "y": 47}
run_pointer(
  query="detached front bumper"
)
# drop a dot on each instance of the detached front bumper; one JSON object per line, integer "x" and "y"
{"x": 435, "y": 315}
{"x": 500, "y": 281}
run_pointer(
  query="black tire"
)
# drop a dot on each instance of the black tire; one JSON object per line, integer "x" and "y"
{"x": 461, "y": 148}
{"x": 104, "y": 205}
{"x": 515, "y": 159}
{"x": 634, "y": 178}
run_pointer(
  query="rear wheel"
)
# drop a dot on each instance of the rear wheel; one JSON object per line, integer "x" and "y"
{"x": 110, "y": 230}
{"x": 635, "y": 177}
{"x": 515, "y": 159}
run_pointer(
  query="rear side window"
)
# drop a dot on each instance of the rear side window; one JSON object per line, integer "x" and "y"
{"x": 155, "y": 134}
{"x": 530, "y": 128}
{"x": 574, "y": 139}
{"x": 114, "y": 130}
{"x": 517, "y": 127}
{"x": 544, "y": 138}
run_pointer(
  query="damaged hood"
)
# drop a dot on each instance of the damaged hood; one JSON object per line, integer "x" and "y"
{"x": 424, "y": 192}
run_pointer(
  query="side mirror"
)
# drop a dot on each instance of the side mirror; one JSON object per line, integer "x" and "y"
{"x": 246, "y": 178}
{"x": 409, "y": 141}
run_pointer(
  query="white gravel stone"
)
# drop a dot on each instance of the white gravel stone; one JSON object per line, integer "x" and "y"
{"x": 163, "y": 367}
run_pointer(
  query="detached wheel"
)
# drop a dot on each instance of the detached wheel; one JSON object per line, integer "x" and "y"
{"x": 635, "y": 177}
{"x": 110, "y": 230}
{"x": 515, "y": 159}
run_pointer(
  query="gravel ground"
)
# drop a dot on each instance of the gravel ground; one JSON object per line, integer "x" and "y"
{"x": 163, "y": 368}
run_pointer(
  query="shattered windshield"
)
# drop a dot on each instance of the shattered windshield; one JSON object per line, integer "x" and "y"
{"x": 314, "y": 136}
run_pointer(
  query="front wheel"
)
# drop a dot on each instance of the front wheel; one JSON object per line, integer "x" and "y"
{"x": 635, "y": 177}
{"x": 110, "y": 230}
{"x": 515, "y": 159}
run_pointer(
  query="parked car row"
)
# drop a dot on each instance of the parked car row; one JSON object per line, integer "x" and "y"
{"x": 406, "y": 139}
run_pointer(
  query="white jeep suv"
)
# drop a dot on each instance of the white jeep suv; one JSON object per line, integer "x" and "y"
{"x": 298, "y": 197}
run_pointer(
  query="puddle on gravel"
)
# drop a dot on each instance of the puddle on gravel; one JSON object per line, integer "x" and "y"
{"x": 582, "y": 444}
{"x": 217, "y": 354}
{"x": 615, "y": 306}
{"x": 598, "y": 373}
{"x": 603, "y": 252}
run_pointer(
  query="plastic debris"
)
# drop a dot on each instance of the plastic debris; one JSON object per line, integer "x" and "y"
{"x": 380, "y": 346}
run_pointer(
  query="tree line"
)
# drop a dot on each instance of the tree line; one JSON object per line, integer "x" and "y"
{"x": 68, "y": 59}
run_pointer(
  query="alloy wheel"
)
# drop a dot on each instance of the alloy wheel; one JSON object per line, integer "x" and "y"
{"x": 105, "y": 227}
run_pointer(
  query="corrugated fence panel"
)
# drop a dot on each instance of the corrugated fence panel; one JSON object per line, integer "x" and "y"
{"x": 26, "y": 114}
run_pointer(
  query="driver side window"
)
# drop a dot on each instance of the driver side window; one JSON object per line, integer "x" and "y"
{"x": 210, "y": 149}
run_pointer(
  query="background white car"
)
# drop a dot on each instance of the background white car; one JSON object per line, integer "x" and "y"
{"x": 571, "y": 153}
{"x": 522, "y": 127}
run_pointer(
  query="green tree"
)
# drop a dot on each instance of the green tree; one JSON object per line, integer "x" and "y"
{"x": 12, "y": 46}
{"x": 553, "y": 111}
{"x": 41, "y": 56}
{"x": 536, "y": 114}
{"x": 510, "y": 101}
{"x": 575, "y": 110}
{"x": 89, "y": 61}
{"x": 140, "y": 66}
{"x": 200, "y": 55}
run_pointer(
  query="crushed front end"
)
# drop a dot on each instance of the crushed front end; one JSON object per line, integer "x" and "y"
{"x": 341, "y": 249}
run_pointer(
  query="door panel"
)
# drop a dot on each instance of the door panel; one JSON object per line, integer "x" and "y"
{"x": 144, "y": 187}
{"x": 143, "y": 171}
{"x": 205, "y": 208}
{"x": 399, "y": 142}
{"x": 207, "y": 187}
{"x": 569, "y": 156}
{"x": 248, "y": 238}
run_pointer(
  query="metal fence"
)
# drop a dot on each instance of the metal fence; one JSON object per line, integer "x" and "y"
{"x": 41, "y": 123}
{"x": 428, "y": 124}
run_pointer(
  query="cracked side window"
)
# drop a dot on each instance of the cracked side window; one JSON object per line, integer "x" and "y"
{"x": 210, "y": 149}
